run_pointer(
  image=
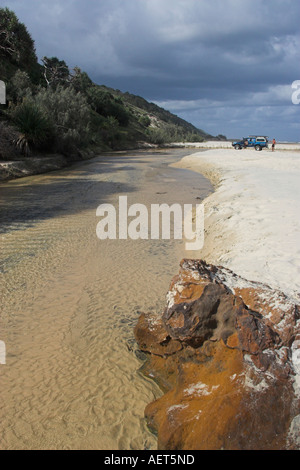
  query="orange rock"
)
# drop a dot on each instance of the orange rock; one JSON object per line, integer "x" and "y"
{"x": 222, "y": 353}
{"x": 195, "y": 412}
{"x": 153, "y": 337}
{"x": 233, "y": 341}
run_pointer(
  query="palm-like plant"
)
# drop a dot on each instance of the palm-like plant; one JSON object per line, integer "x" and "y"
{"x": 34, "y": 127}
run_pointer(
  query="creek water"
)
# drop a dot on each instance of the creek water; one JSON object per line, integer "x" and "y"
{"x": 69, "y": 301}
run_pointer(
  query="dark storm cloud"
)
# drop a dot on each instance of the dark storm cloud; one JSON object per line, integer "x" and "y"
{"x": 196, "y": 57}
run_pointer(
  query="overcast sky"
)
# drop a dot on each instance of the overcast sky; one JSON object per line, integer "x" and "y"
{"x": 226, "y": 66}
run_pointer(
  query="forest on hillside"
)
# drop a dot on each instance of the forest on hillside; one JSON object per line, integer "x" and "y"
{"x": 52, "y": 108}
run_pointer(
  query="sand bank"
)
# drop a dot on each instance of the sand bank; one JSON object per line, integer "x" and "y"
{"x": 252, "y": 223}
{"x": 220, "y": 144}
{"x": 13, "y": 169}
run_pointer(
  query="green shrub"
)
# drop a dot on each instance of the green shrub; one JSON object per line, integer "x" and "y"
{"x": 158, "y": 136}
{"x": 70, "y": 114}
{"x": 144, "y": 120}
{"x": 110, "y": 131}
{"x": 106, "y": 104}
{"x": 36, "y": 130}
{"x": 193, "y": 137}
{"x": 19, "y": 87}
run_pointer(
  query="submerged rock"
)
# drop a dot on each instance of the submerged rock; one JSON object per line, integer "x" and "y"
{"x": 225, "y": 352}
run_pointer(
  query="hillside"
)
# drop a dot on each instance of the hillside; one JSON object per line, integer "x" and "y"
{"x": 51, "y": 108}
{"x": 159, "y": 116}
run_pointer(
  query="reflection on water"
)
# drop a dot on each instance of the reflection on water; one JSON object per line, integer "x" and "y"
{"x": 69, "y": 302}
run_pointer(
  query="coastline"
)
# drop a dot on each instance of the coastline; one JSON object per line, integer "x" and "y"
{"x": 251, "y": 220}
{"x": 35, "y": 165}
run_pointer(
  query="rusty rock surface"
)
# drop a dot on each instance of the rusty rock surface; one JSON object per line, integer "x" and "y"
{"x": 226, "y": 353}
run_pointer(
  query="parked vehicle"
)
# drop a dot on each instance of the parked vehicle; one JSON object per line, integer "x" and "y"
{"x": 257, "y": 141}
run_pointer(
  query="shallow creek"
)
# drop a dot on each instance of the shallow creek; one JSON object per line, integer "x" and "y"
{"x": 69, "y": 301}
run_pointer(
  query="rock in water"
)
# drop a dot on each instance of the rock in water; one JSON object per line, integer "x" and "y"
{"x": 226, "y": 353}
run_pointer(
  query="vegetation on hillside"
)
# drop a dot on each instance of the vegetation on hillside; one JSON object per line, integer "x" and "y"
{"x": 55, "y": 109}
{"x": 17, "y": 51}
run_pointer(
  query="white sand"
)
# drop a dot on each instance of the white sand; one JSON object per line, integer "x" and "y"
{"x": 252, "y": 221}
{"x": 219, "y": 144}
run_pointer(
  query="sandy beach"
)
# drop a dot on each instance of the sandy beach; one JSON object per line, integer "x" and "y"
{"x": 252, "y": 223}
{"x": 224, "y": 144}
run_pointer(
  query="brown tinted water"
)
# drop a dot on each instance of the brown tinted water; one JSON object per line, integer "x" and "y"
{"x": 69, "y": 302}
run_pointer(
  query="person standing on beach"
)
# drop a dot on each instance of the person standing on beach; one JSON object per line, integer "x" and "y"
{"x": 273, "y": 145}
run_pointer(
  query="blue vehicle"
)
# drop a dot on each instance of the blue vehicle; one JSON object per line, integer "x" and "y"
{"x": 257, "y": 141}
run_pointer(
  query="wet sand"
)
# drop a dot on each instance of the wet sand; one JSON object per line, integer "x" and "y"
{"x": 70, "y": 302}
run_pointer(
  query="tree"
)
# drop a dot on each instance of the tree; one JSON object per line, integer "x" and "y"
{"x": 8, "y": 21}
{"x": 16, "y": 44}
{"x": 56, "y": 72}
{"x": 110, "y": 131}
{"x": 19, "y": 86}
{"x": 80, "y": 81}
{"x": 107, "y": 105}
